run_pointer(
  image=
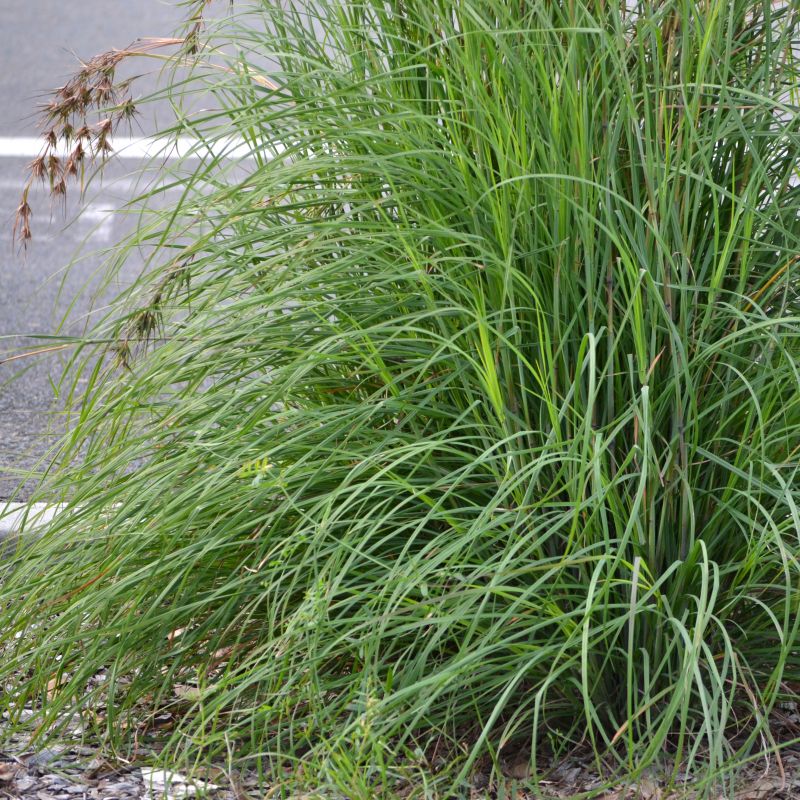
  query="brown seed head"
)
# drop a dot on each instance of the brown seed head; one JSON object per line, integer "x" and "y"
{"x": 85, "y": 93}
{"x": 102, "y": 147}
{"x": 22, "y": 227}
{"x": 127, "y": 109}
{"x": 51, "y": 110}
{"x": 37, "y": 168}
{"x": 103, "y": 91}
{"x": 70, "y": 115}
{"x": 122, "y": 351}
{"x": 53, "y": 166}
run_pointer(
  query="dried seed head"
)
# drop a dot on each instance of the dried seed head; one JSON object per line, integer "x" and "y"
{"x": 22, "y": 227}
{"x": 102, "y": 147}
{"x": 122, "y": 352}
{"x": 37, "y": 168}
{"x": 127, "y": 109}
{"x": 103, "y": 129}
{"x": 145, "y": 322}
{"x": 70, "y": 116}
{"x": 52, "y": 110}
{"x": 193, "y": 39}
{"x": 53, "y": 167}
{"x": 103, "y": 91}
{"x": 85, "y": 95}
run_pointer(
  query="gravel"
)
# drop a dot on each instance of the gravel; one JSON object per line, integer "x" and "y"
{"x": 77, "y": 772}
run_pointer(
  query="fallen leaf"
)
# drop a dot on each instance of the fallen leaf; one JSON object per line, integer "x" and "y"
{"x": 99, "y": 766}
{"x": 762, "y": 789}
{"x": 54, "y": 684}
{"x": 519, "y": 770}
{"x": 189, "y": 693}
{"x": 211, "y": 773}
{"x": 172, "y": 635}
{"x": 220, "y": 655}
{"x": 648, "y": 790}
{"x": 8, "y": 772}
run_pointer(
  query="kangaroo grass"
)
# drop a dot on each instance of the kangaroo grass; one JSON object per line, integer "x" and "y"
{"x": 457, "y": 413}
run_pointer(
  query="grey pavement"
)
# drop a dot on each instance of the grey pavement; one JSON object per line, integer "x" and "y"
{"x": 40, "y": 42}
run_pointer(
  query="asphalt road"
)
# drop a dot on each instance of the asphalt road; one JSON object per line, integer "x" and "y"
{"x": 40, "y": 42}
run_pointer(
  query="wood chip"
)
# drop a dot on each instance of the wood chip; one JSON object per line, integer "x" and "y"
{"x": 8, "y": 772}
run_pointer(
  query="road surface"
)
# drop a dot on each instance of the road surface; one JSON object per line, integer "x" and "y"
{"x": 40, "y": 42}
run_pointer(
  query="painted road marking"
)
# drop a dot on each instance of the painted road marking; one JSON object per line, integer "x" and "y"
{"x": 141, "y": 147}
{"x": 13, "y": 517}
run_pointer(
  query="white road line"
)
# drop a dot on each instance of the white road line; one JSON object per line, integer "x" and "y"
{"x": 141, "y": 147}
{"x": 12, "y": 516}
{"x": 102, "y": 220}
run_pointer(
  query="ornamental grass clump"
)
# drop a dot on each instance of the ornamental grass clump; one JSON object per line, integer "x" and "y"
{"x": 457, "y": 414}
